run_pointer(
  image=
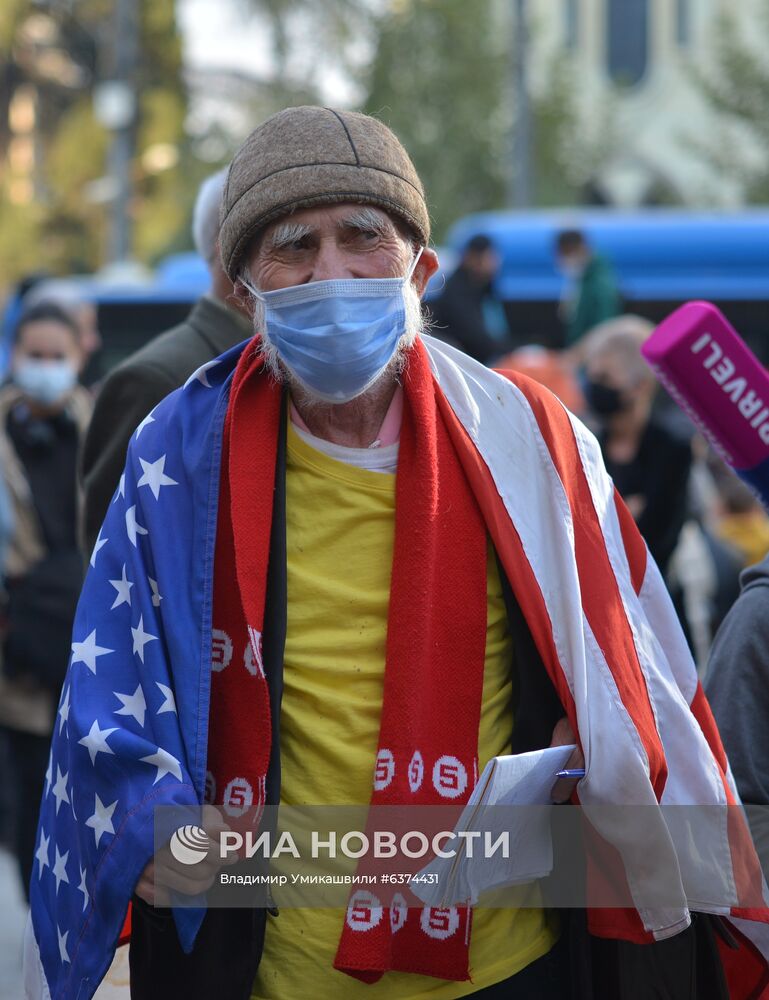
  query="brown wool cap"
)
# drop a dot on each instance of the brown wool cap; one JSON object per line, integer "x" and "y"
{"x": 309, "y": 156}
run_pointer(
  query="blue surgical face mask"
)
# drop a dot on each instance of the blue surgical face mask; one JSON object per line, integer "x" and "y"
{"x": 337, "y": 337}
{"x": 571, "y": 269}
{"x": 46, "y": 382}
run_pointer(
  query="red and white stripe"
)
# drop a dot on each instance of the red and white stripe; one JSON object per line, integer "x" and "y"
{"x": 610, "y": 639}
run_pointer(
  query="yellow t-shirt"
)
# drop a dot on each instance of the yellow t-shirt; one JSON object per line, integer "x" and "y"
{"x": 340, "y": 526}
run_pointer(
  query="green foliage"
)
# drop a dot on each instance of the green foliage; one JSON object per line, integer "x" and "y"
{"x": 569, "y": 146}
{"x": 555, "y": 180}
{"x": 75, "y": 155}
{"x": 161, "y": 204}
{"x": 10, "y": 14}
{"x": 441, "y": 77}
{"x": 64, "y": 230}
{"x": 21, "y": 229}
{"x": 439, "y": 74}
{"x": 437, "y": 80}
{"x": 324, "y": 27}
{"x": 737, "y": 85}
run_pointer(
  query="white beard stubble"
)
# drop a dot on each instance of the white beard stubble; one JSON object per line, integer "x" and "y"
{"x": 415, "y": 326}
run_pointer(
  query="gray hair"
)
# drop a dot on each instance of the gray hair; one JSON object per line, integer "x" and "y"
{"x": 623, "y": 337}
{"x": 364, "y": 218}
{"x": 65, "y": 292}
{"x": 205, "y": 215}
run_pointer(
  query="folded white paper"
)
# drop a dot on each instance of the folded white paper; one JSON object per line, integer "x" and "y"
{"x": 523, "y": 779}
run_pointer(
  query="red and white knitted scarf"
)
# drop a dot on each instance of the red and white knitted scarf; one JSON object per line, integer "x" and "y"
{"x": 435, "y": 652}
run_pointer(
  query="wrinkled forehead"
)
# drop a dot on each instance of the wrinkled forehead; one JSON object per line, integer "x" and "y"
{"x": 330, "y": 220}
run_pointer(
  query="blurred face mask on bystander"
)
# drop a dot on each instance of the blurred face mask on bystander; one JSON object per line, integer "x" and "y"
{"x": 47, "y": 360}
{"x": 45, "y": 382}
{"x": 604, "y": 400}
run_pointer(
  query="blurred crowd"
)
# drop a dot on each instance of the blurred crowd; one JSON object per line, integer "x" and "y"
{"x": 60, "y": 459}
{"x": 702, "y": 524}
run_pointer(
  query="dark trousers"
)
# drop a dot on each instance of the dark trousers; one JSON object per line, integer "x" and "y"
{"x": 27, "y": 761}
{"x": 545, "y": 979}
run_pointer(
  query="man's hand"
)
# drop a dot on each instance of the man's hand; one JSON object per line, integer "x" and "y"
{"x": 164, "y": 873}
{"x": 563, "y": 735}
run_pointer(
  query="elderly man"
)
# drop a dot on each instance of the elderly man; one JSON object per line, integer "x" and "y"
{"x": 214, "y": 325}
{"x": 348, "y": 565}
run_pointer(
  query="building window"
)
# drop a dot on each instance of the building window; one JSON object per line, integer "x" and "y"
{"x": 683, "y": 22}
{"x": 571, "y": 23}
{"x": 627, "y": 42}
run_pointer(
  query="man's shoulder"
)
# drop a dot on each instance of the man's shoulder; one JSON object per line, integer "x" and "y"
{"x": 537, "y": 395}
{"x": 461, "y": 375}
{"x": 175, "y": 354}
{"x": 600, "y": 268}
{"x": 184, "y": 416}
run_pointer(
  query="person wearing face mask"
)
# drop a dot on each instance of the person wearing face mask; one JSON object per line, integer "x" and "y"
{"x": 346, "y": 564}
{"x": 592, "y": 293}
{"x": 43, "y": 415}
{"x": 648, "y": 458}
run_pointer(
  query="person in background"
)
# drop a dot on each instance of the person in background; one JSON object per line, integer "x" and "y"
{"x": 334, "y": 613}
{"x": 466, "y": 314}
{"x": 217, "y": 323}
{"x": 43, "y": 415}
{"x": 594, "y": 293}
{"x": 737, "y": 686}
{"x": 12, "y": 310}
{"x": 741, "y": 520}
{"x": 71, "y": 295}
{"x": 648, "y": 461}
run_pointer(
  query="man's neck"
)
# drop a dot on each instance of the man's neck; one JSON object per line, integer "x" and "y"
{"x": 353, "y": 425}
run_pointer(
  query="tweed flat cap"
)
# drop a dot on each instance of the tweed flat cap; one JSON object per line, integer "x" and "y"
{"x": 308, "y": 156}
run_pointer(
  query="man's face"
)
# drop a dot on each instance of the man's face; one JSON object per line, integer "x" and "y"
{"x": 608, "y": 371}
{"x": 484, "y": 265}
{"x": 332, "y": 243}
{"x": 47, "y": 340}
{"x": 340, "y": 241}
{"x": 572, "y": 264}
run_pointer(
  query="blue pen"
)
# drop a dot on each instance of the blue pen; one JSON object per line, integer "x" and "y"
{"x": 577, "y": 772}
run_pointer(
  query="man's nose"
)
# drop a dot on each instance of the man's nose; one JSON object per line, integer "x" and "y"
{"x": 330, "y": 262}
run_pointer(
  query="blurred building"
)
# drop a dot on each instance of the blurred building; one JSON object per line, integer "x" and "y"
{"x": 638, "y": 64}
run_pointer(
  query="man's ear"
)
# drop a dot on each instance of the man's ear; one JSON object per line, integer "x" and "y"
{"x": 241, "y": 293}
{"x": 426, "y": 267}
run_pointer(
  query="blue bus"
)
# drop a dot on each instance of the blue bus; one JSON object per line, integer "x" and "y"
{"x": 662, "y": 258}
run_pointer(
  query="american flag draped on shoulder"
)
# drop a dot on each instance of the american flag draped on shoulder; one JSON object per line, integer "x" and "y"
{"x": 132, "y": 728}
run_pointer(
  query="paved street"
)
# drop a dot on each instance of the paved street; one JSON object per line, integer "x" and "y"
{"x": 13, "y": 914}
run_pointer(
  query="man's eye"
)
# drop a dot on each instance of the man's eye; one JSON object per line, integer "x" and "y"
{"x": 366, "y": 236}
